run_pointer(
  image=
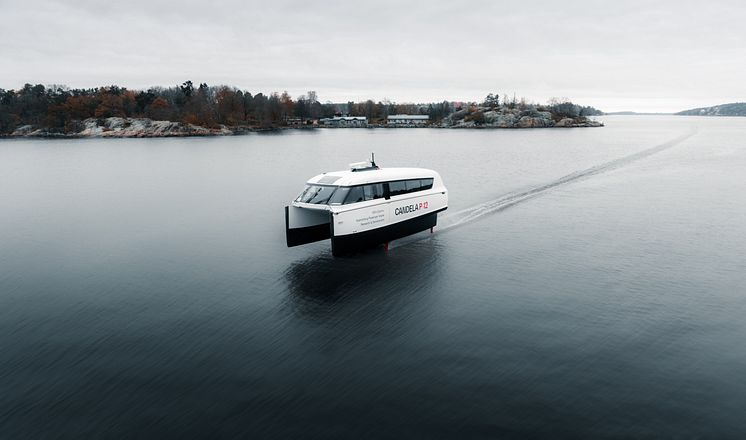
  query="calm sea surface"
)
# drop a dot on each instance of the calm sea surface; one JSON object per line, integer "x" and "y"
{"x": 583, "y": 283}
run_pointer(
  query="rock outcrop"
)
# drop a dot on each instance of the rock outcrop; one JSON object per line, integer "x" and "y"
{"x": 481, "y": 117}
{"x": 142, "y": 127}
{"x": 127, "y": 128}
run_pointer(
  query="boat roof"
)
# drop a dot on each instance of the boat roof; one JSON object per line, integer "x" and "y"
{"x": 370, "y": 175}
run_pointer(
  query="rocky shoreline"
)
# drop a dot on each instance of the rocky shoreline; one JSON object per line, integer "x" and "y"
{"x": 513, "y": 118}
{"x": 126, "y": 128}
{"x": 116, "y": 127}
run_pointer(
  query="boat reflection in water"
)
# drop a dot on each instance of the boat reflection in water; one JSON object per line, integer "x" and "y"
{"x": 319, "y": 285}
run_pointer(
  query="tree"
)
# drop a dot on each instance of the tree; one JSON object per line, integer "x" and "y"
{"x": 317, "y": 110}
{"x": 8, "y": 117}
{"x": 563, "y": 108}
{"x": 203, "y": 106}
{"x": 370, "y": 110}
{"x": 261, "y": 110}
{"x": 81, "y": 107}
{"x": 188, "y": 88}
{"x": 110, "y": 103}
{"x": 229, "y": 106}
{"x": 159, "y": 109}
{"x": 286, "y": 105}
{"x": 301, "y": 107}
{"x": 492, "y": 101}
{"x": 143, "y": 100}
{"x": 523, "y": 105}
{"x": 275, "y": 112}
{"x": 381, "y": 110}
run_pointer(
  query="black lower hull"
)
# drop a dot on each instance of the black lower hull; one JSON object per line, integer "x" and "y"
{"x": 347, "y": 244}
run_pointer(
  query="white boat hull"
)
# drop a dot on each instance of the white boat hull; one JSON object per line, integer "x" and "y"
{"x": 365, "y": 224}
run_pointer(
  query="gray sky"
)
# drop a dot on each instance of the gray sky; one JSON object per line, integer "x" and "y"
{"x": 614, "y": 55}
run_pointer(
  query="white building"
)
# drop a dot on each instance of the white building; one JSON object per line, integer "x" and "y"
{"x": 344, "y": 121}
{"x": 408, "y": 120}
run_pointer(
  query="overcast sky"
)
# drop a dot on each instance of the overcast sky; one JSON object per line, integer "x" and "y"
{"x": 614, "y": 55}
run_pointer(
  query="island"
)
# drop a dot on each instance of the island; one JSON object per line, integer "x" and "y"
{"x": 732, "y": 109}
{"x": 189, "y": 110}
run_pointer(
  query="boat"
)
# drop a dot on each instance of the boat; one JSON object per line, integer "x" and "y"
{"x": 365, "y": 206}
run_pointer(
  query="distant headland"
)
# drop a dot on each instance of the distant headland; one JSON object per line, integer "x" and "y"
{"x": 202, "y": 110}
{"x": 732, "y": 109}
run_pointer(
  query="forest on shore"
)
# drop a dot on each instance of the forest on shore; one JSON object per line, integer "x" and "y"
{"x": 61, "y": 110}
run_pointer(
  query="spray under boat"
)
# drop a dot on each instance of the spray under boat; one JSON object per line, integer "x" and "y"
{"x": 365, "y": 206}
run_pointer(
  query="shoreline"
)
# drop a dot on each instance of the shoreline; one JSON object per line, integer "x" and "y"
{"x": 120, "y": 128}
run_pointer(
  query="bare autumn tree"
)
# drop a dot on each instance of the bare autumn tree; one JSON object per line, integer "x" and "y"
{"x": 314, "y": 107}
{"x": 110, "y": 103}
{"x": 286, "y": 105}
{"x": 158, "y": 109}
{"x": 203, "y": 104}
{"x": 275, "y": 109}
{"x": 229, "y": 106}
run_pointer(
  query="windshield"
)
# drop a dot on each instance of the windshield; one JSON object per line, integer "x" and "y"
{"x": 316, "y": 194}
{"x": 339, "y": 195}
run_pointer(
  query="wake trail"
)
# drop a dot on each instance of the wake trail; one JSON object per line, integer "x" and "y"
{"x": 468, "y": 215}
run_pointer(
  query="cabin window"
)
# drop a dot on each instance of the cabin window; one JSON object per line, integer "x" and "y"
{"x": 355, "y": 195}
{"x": 400, "y": 187}
{"x": 397, "y": 188}
{"x": 339, "y": 195}
{"x": 373, "y": 191}
{"x": 412, "y": 185}
{"x": 316, "y": 194}
{"x": 344, "y": 195}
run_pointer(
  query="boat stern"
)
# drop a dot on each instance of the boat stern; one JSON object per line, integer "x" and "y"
{"x": 306, "y": 225}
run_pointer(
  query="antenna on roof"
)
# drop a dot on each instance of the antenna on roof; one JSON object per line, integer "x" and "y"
{"x": 365, "y": 166}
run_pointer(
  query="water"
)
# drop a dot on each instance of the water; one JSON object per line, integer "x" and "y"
{"x": 583, "y": 283}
